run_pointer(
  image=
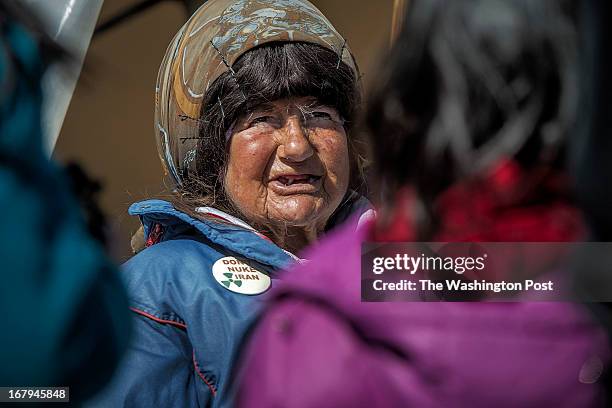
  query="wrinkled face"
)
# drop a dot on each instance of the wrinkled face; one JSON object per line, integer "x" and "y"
{"x": 288, "y": 163}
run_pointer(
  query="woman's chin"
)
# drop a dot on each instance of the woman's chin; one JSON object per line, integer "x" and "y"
{"x": 298, "y": 211}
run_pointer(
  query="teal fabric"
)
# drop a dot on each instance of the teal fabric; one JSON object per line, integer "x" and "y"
{"x": 64, "y": 311}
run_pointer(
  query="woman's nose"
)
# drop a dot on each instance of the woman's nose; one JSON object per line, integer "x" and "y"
{"x": 295, "y": 145}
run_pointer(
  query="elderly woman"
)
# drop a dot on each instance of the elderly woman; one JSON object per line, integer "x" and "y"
{"x": 253, "y": 104}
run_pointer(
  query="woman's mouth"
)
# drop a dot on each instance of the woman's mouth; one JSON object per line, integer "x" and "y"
{"x": 295, "y": 184}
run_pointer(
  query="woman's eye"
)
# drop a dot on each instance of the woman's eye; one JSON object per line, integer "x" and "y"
{"x": 321, "y": 115}
{"x": 262, "y": 119}
{"x": 321, "y": 118}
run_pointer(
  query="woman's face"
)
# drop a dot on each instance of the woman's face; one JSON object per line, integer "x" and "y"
{"x": 288, "y": 164}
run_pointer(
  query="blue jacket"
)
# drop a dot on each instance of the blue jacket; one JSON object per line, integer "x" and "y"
{"x": 189, "y": 312}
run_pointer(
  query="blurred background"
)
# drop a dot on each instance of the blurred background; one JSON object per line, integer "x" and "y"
{"x": 108, "y": 128}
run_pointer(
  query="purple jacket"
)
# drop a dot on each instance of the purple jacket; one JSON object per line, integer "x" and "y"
{"x": 319, "y": 346}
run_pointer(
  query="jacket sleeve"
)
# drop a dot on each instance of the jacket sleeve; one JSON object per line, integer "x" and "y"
{"x": 158, "y": 369}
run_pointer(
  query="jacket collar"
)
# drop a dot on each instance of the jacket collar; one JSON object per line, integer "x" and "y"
{"x": 233, "y": 236}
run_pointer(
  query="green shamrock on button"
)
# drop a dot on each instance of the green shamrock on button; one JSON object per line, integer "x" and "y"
{"x": 230, "y": 280}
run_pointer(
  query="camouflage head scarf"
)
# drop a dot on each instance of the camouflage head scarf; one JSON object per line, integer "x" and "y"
{"x": 208, "y": 45}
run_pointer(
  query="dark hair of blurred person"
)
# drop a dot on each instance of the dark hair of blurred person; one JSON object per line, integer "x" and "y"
{"x": 473, "y": 113}
{"x": 64, "y": 309}
{"x": 468, "y": 127}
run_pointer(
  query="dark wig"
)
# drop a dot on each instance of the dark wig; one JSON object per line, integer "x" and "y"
{"x": 470, "y": 82}
{"x": 266, "y": 73}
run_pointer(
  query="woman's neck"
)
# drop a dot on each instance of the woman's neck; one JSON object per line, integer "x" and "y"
{"x": 293, "y": 239}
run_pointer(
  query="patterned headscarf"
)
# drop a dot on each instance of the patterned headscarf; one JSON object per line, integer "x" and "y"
{"x": 208, "y": 45}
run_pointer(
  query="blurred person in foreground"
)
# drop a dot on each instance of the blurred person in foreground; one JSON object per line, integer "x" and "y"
{"x": 468, "y": 128}
{"x": 65, "y": 314}
{"x": 255, "y": 102}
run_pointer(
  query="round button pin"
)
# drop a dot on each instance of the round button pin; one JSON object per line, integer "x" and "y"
{"x": 237, "y": 276}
